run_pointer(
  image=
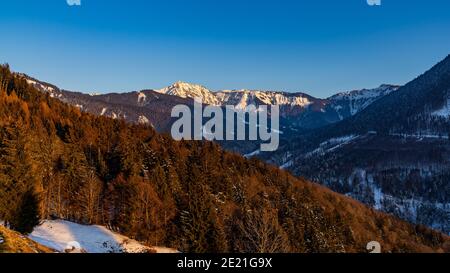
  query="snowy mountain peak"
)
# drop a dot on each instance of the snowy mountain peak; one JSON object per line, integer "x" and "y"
{"x": 357, "y": 100}
{"x": 189, "y": 90}
{"x": 243, "y": 98}
{"x": 239, "y": 98}
{"x": 382, "y": 90}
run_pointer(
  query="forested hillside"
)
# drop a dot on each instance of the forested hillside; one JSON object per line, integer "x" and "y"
{"x": 57, "y": 162}
{"x": 393, "y": 155}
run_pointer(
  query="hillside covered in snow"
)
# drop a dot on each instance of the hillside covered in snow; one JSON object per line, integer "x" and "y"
{"x": 70, "y": 237}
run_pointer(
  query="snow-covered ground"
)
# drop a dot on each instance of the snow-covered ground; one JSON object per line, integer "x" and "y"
{"x": 63, "y": 235}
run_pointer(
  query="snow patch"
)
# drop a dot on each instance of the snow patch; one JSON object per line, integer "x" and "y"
{"x": 63, "y": 235}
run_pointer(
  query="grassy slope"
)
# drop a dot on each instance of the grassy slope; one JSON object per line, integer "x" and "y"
{"x": 13, "y": 242}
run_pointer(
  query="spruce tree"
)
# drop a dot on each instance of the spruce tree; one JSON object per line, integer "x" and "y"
{"x": 27, "y": 214}
{"x": 17, "y": 181}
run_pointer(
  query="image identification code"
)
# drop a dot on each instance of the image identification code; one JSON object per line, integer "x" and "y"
{"x": 207, "y": 264}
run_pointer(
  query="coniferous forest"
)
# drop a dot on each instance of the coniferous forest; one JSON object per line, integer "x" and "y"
{"x": 59, "y": 162}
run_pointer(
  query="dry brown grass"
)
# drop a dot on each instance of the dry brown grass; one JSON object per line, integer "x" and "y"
{"x": 13, "y": 242}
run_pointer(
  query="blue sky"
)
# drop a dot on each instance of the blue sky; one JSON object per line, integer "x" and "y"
{"x": 315, "y": 46}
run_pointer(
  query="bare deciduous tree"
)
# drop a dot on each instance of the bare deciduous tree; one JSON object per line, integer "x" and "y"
{"x": 262, "y": 233}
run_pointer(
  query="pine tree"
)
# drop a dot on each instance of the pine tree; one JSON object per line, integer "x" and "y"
{"x": 17, "y": 181}
{"x": 27, "y": 215}
{"x": 201, "y": 230}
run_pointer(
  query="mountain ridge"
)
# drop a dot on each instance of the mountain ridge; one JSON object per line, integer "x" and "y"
{"x": 301, "y": 110}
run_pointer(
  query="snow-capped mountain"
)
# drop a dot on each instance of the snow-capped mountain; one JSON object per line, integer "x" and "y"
{"x": 187, "y": 90}
{"x": 355, "y": 101}
{"x": 243, "y": 98}
{"x": 299, "y": 110}
{"x": 352, "y": 101}
{"x": 238, "y": 98}
{"x": 349, "y": 103}
{"x": 335, "y": 108}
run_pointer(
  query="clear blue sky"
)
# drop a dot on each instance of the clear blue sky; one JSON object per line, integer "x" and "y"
{"x": 316, "y": 46}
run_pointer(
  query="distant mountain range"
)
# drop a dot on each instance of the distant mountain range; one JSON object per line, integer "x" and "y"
{"x": 299, "y": 110}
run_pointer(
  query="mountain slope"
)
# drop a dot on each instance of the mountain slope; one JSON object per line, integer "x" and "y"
{"x": 393, "y": 155}
{"x": 96, "y": 170}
